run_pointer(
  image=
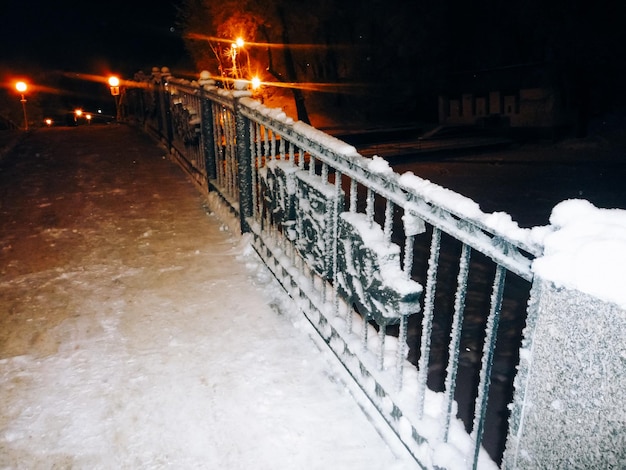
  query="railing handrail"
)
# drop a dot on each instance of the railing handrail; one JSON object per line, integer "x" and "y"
{"x": 494, "y": 226}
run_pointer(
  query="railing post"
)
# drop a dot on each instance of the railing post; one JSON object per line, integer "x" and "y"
{"x": 207, "y": 126}
{"x": 165, "y": 107}
{"x": 244, "y": 161}
{"x": 568, "y": 410}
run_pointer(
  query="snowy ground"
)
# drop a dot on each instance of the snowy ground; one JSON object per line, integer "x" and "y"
{"x": 136, "y": 331}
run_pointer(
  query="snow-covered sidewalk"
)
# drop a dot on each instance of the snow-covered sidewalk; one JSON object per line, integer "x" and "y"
{"x": 138, "y": 331}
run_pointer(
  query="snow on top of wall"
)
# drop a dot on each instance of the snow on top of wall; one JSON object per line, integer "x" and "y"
{"x": 586, "y": 250}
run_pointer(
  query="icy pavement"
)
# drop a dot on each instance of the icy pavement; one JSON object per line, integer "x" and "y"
{"x": 137, "y": 331}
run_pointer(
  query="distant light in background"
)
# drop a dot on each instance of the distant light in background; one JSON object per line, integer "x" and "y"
{"x": 48, "y": 122}
{"x": 256, "y": 83}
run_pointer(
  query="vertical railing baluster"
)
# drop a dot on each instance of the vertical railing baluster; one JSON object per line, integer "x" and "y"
{"x": 282, "y": 148}
{"x": 225, "y": 152}
{"x": 232, "y": 156}
{"x": 336, "y": 241}
{"x": 401, "y": 351}
{"x": 388, "y": 221}
{"x": 300, "y": 158}
{"x": 369, "y": 208}
{"x": 254, "y": 170}
{"x": 409, "y": 243}
{"x": 427, "y": 320}
{"x": 364, "y": 331}
{"x": 489, "y": 346}
{"x": 353, "y": 195}
{"x": 266, "y": 151}
{"x": 217, "y": 143}
{"x": 208, "y": 137}
{"x": 244, "y": 167}
{"x": 228, "y": 154}
{"x": 455, "y": 337}
{"x": 353, "y": 200}
{"x": 382, "y": 333}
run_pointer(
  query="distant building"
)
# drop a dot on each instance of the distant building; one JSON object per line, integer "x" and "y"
{"x": 521, "y": 98}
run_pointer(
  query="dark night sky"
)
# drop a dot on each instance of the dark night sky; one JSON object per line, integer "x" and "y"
{"x": 39, "y": 37}
{"x": 85, "y": 36}
{"x": 55, "y": 44}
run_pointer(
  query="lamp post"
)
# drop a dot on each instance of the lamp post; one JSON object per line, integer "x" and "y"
{"x": 21, "y": 87}
{"x": 114, "y": 83}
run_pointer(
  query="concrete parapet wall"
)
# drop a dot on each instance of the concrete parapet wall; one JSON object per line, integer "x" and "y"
{"x": 568, "y": 411}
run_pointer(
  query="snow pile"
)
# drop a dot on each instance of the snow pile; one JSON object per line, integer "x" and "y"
{"x": 276, "y": 114}
{"x": 440, "y": 196}
{"x": 586, "y": 251}
{"x": 379, "y": 165}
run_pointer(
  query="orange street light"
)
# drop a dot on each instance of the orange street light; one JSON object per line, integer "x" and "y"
{"x": 21, "y": 87}
{"x": 256, "y": 83}
{"x": 114, "y": 83}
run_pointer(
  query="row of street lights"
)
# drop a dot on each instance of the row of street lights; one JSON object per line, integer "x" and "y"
{"x": 114, "y": 84}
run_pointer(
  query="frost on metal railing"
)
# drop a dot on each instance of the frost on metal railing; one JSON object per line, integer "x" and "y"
{"x": 363, "y": 261}
{"x": 407, "y": 282}
{"x": 186, "y": 120}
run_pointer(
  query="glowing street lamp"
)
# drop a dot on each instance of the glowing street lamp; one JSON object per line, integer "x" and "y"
{"x": 21, "y": 87}
{"x": 256, "y": 83}
{"x": 236, "y": 48}
{"x": 114, "y": 83}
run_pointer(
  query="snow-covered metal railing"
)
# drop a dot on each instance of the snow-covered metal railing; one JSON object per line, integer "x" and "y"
{"x": 361, "y": 249}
